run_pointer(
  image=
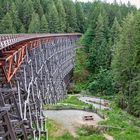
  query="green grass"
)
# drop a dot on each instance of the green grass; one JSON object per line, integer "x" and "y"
{"x": 71, "y": 102}
{"x": 84, "y": 133}
{"x": 87, "y": 133}
{"x": 130, "y": 129}
{"x": 74, "y": 100}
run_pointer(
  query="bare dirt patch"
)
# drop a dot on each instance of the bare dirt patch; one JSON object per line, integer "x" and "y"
{"x": 71, "y": 119}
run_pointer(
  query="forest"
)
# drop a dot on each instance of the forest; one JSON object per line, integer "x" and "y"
{"x": 113, "y": 53}
{"x": 41, "y": 16}
{"x": 111, "y": 40}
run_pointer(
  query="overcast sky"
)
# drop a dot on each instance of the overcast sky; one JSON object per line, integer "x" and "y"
{"x": 134, "y": 2}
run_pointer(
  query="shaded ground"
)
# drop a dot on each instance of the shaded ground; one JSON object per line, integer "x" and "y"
{"x": 71, "y": 119}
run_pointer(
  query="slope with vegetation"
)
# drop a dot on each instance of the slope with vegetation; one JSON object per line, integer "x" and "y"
{"x": 112, "y": 46}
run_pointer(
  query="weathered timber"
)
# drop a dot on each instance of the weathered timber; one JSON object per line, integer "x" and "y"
{"x": 34, "y": 70}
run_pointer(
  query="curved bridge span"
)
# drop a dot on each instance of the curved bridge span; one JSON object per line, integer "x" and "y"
{"x": 34, "y": 70}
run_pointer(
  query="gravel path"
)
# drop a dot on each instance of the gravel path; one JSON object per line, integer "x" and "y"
{"x": 71, "y": 119}
{"x": 95, "y": 102}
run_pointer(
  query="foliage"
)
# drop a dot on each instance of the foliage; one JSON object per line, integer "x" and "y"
{"x": 43, "y": 25}
{"x": 52, "y": 17}
{"x": 38, "y": 8}
{"x": 80, "y": 17}
{"x": 125, "y": 126}
{"x": 26, "y": 11}
{"x": 71, "y": 102}
{"x": 99, "y": 50}
{"x": 126, "y": 65}
{"x": 102, "y": 33}
{"x": 81, "y": 73}
{"x": 61, "y": 15}
{"x": 112, "y": 46}
{"x": 6, "y": 25}
{"x": 71, "y": 24}
{"x": 103, "y": 84}
{"x": 87, "y": 39}
{"x": 34, "y": 26}
{"x": 74, "y": 100}
{"x": 87, "y": 131}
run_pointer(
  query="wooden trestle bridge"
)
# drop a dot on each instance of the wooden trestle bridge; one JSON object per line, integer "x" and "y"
{"x": 34, "y": 70}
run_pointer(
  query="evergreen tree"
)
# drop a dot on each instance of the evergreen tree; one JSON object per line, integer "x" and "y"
{"x": 92, "y": 19}
{"x": 22, "y": 29}
{"x": 43, "y": 25}
{"x": 1, "y": 11}
{"x": 38, "y": 8}
{"x": 80, "y": 17}
{"x": 99, "y": 51}
{"x": 6, "y": 26}
{"x": 44, "y": 4}
{"x": 103, "y": 83}
{"x": 34, "y": 26}
{"x": 71, "y": 21}
{"x": 114, "y": 37}
{"x": 14, "y": 15}
{"x": 126, "y": 64}
{"x": 87, "y": 39}
{"x": 115, "y": 31}
{"x": 52, "y": 16}
{"x": 61, "y": 14}
{"x": 6, "y": 6}
{"x": 26, "y": 12}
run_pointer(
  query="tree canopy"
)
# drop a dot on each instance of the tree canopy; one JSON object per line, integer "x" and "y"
{"x": 60, "y": 15}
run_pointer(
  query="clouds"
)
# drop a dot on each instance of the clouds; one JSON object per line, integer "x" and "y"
{"x": 134, "y": 2}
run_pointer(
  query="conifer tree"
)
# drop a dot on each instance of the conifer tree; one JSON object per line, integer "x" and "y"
{"x": 44, "y": 4}
{"x": 22, "y": 29}
{"x": 71, "y": 21}
{"x": 80, "y": 17}
{"x": 61, "y": 14}
{"x": 43, "y": 25}
{"x": 38, "y": 7}
{"x": 6, "y": 6}
{"x": 1, "y": 11}
{"x": 34, "y": 26}
{"x": 52, "y": 17}
{"x": 99, "y": 51}
{"x": 26, "y": 13}
{"x": 14, "y": 15}
{"x": 6, "y": 26}
{"x": 126, "y": 64}
{"x": 87, "y": 39}
{"x": 115, "y": 31}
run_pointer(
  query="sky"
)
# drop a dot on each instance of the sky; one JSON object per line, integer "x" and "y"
{"x": 134, "y": 2}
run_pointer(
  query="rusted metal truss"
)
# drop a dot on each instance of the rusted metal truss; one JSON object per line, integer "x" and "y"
{"x": 34, "y": 70}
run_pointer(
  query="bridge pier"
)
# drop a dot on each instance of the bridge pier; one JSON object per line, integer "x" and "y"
{"x": 34, "y": 71}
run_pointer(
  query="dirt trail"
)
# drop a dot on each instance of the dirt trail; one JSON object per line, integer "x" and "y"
{"x": 108, "y": 137}
{"x": 96, "y": 102}
{"x": 71, "y": 119}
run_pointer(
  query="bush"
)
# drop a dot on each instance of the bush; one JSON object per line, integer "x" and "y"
{"x": 103, "y": 84}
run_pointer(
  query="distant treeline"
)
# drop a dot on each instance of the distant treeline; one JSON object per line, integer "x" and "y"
{"x": 42, "y": 16}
